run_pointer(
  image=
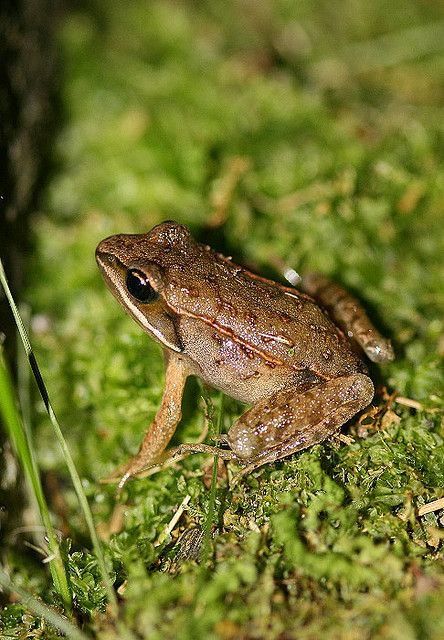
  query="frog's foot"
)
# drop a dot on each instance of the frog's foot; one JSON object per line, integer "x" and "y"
{"x": 183, "y": 450}
{"x": 135, "y": 466}
{"x": 350, "y": 315}
{"x": 138, "y": 465}
{"x": 124, "y": 472}
{"x": 290, "y": 422}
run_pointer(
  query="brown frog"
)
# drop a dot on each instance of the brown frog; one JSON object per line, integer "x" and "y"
{"x": 292, "y": 355}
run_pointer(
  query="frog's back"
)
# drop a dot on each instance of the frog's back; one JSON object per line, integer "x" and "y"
{"x": 280, "y": 324}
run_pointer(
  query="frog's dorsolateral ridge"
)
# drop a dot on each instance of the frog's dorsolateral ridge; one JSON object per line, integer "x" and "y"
{"x": 292, "y": 355}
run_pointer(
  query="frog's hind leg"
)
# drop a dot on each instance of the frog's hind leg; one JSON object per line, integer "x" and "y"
{"x": 288, "y": 422}
{"x": 349, "y": 315}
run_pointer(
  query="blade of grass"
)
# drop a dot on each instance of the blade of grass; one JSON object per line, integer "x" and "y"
{"x": 214, "y": 429}
{"x": 112, "y": 600}
{"x": 24, "y": 410}
{"x": 215, "y": 423}
{"x": 42, "y": 610}
{"x": 24, "y": 376}
{"x": 24, "y": 450}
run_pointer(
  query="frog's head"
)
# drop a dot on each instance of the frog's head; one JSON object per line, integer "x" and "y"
{"x": 135, "y": 266}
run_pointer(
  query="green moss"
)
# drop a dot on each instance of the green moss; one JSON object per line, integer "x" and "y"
{"x": 344, "y": 176}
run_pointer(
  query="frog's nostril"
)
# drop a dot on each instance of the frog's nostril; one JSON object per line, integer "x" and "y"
{"x": 103, "y": 257}
{"x": 106, "y": 251}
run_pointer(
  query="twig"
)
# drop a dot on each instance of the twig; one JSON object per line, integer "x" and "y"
{"x": 174, "y": 520}
{"x": 408, "y": 402}
{"x": 431, "y": 506}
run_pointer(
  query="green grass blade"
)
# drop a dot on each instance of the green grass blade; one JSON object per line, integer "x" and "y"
{"x": 215, "y": 427}
{"x": 24, "y": 376}
{"x": 39, "y": 609}
{"x": 62, "y": 442}
{"x": 23, "y": 448}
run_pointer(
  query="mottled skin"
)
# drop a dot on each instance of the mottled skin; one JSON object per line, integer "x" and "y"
{"x": 258, "y": 341}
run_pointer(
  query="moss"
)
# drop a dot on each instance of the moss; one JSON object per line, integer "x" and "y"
{"x": 343, "y": 174}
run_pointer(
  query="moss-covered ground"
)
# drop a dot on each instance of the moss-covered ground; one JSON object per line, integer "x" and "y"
{"x": 304, "y": 134}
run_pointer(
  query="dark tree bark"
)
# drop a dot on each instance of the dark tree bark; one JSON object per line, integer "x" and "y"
{"x": 28, "y": 82}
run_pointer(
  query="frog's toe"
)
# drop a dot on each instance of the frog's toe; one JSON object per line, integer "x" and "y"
{"x": 119, "y": 476}
{"x": 380, "y": 350}
{"x": 112, "y": 478}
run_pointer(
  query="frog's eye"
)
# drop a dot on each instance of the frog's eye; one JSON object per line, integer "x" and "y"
{"x": 139, "y": 286}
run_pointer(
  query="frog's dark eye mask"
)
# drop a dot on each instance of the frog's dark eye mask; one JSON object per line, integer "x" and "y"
{"x": 139, "y": 286}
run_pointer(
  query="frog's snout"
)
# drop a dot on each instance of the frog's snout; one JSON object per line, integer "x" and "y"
{"x": 105, "y": 252}
{"x": 103, "y": 258}
{"x": 108, "y": 262}
{"x": 118, "y": 251}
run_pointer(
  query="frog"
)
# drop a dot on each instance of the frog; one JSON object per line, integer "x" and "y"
{"x": 295, "y": 355}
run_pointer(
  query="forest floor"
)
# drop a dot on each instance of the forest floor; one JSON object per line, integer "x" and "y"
{"x": 285, "y": 135}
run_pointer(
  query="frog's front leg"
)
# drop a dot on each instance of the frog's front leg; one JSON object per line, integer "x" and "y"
{"x": 164, "y": 424}
{"x": 289, "y": 421}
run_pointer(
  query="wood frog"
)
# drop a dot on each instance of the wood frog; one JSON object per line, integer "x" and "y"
{"x": 293, "y": 355}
